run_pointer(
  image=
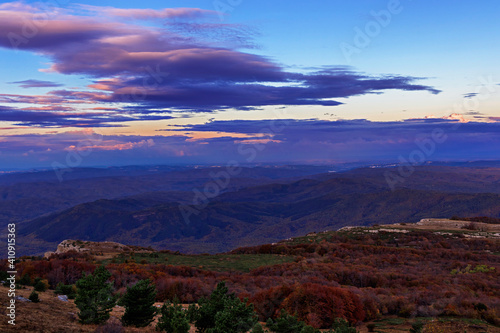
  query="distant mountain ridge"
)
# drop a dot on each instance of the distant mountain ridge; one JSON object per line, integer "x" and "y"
{"x": 250, "y": 215}
{"x": 26, "y": 196}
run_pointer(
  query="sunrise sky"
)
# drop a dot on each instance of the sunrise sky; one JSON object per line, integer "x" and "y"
{"x": 96, "y": 83}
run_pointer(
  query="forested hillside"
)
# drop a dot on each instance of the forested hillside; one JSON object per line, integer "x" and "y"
{"x": 371, "y": 275}
{"x": 263, "y": 209}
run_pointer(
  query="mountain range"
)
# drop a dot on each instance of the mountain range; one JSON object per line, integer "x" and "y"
{"x": 178, "y": 209}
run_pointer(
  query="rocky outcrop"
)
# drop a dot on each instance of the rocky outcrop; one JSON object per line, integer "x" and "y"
{"x": 458, "y": 224}
{"x": 87, "y": 246}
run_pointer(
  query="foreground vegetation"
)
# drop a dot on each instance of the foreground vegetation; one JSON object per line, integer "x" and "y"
{"x": 384, "y": 277}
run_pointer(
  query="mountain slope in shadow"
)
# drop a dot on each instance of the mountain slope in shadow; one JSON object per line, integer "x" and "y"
{"x": 266, "y": 213}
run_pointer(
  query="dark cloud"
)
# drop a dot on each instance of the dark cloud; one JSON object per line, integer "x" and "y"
{"x": 470, "y": 95}
{"x": 312, "y": 126}
{"x": 350, "y": 140}
{"x": 41, "y": 118}
{"x": 273, "y": 141}
{"x": 196, "y": 66}
{"x": 36, "y": 84}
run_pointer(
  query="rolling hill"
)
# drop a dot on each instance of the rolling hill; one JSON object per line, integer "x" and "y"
{"x": 25, "y": 196}
{"x": 269, "y": 212}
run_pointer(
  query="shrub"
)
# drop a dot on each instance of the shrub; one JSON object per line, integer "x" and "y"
{"x": 34, "y": 297}
{"x": 112, "y": 326}
{"x": 341, "y": 325}
{"x": 417, "y": 327}
{"x": 407, "y": 310}
{"x": 66, "y": 289}
{"x": 41, "y": 285}
{"x": 480, "y": 307}
{"x": 139, "y": 304}
{"x": 25, "y": 280}
{"x": 491, "y": 317}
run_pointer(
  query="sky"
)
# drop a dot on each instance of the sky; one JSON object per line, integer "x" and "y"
{"x": 102, "y": 83}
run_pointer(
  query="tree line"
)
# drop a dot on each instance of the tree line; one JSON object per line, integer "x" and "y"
{"x": 221, "y": 312}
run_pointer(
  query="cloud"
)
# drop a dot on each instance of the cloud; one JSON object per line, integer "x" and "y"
{"x": 470, "y": 95}
{"x": 36, "y": 84}
{"x": 266, "y": 141}
{"x": 473, "y": 113}
{"x": 145, "y": 14}
{"x": 453, "y": 116}
{"x": 113, "y": 145}
{"x": 184, "y": 65}
{"x": 292, "y": 140}
{"x": 89, "y": 148}
{"x": 38, "y": 117}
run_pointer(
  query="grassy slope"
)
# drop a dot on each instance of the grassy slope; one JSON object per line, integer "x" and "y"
{"x": 217, "y": 262}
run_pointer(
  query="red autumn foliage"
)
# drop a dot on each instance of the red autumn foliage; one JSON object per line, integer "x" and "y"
{"x": 355, "y": 276}
{"x": 319, "y": 305}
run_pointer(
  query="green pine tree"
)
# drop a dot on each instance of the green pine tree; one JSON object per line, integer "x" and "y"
{"x": 285, "y": 323}
{"x": 95, "y": 297}
{"x": 139, "y": 304}
{"x": 258, "y": 328}
{"x": 223, "y": 312}
{"x": 192, "y": 313}
{"x": 309, "y": 329}
{"x": 340, "y": 325}
{"x": 173, "y": 319}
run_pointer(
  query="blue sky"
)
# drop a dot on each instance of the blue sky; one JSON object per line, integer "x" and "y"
{"x": 231, "y": 60}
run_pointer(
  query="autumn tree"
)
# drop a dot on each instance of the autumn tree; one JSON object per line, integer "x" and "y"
{"x": 319, "y": 305}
